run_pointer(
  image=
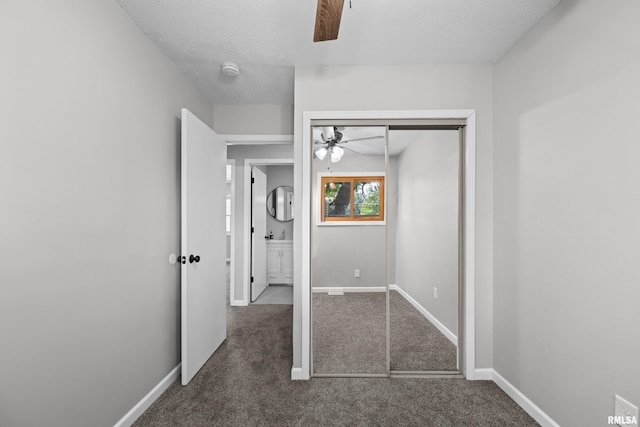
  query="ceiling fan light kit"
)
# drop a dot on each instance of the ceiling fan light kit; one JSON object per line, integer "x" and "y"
{"x": 336, "y": 154}
{"x": 321, "y": 152}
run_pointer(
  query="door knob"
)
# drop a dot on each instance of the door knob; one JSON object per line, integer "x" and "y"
{"x": 194, "y": 258}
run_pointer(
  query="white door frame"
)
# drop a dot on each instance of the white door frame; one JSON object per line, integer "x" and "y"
{"x": 246, "y": 184}
{"x": 304, "y": 191}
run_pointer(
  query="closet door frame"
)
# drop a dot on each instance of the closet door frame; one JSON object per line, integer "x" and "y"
{"x": 466, "y": 324}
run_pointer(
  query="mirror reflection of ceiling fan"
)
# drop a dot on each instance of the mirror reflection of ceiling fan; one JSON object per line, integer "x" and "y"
{"x": 328, "y": 17}
{"x": 328, "y": 139}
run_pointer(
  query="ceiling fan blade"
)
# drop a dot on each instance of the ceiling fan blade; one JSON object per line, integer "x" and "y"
{"x": 317, "y": 134}
{"x": 328, "y": 133}
{"x": 362, "y": 139}
{"x": 328, "y": 17}
{"x": 353, "y": 151}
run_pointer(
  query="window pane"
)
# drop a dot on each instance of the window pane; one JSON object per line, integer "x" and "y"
{"x": 337, "y": 199}
{"x": 366, "y": 196}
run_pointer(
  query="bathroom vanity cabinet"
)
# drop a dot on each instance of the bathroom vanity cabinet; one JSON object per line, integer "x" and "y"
{"x": 280, "y": 262}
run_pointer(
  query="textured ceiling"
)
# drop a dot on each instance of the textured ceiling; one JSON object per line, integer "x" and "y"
{"x": 267, "y": 38}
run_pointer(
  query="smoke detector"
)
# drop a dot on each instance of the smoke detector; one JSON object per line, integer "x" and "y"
{"x": 230, "y": 69}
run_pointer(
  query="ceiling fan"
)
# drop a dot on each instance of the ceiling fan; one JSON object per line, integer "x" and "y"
{"x": 328, "y": 17}
{"x": 328, "y": 138}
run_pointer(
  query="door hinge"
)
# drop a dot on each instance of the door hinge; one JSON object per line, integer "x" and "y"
{"x": 253, "y": 180}
{"x": 253, "y": 230}
{"x": 251, "y": 279}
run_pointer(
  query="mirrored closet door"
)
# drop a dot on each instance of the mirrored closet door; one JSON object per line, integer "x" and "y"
{"x": 424, "y": 172}
{"x": 349, "y": 277}
{"x": 385, "y": 249}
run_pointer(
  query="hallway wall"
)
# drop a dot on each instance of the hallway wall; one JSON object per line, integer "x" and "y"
{"x": 253, "y": 119}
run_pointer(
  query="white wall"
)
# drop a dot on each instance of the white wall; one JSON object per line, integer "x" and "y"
{"x": 567, "y": 203}
{"x": 278, "y": 176}
{"x": 411, "y": 87}
{"x": 254, "y": 119}
{"x": 89, "y": 177}
{"x": 427, "y": 225}
{"x": 338, "y": 250}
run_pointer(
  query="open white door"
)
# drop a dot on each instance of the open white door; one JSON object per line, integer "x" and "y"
{"x": 259, "y": 226}
{"x": 203, "y": 252}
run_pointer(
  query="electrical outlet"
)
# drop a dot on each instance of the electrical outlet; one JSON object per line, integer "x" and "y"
{"x": 626, "y": 410}
{"x": 435, "y": 292}
{"x": 356, "y": 273}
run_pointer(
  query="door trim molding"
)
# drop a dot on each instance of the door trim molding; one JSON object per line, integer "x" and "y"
{"x": 246, "y": 258}
{"x": 258, "y": 139}
{"x": 233, "y": 234}
{"x": 304, "y": 191}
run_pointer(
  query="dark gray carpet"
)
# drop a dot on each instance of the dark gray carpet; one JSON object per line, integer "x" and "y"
{"x": 349, "y": 333}
{"x": 349, "y": 336}
{"x": 415, "y": 343}
{"x": 247, "y": 383}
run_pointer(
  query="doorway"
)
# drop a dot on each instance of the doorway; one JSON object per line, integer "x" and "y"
{"x": 276, "y": 226}
{"x": 272, "y": 234}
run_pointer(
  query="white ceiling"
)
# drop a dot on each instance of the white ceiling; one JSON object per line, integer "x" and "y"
{"x": 267, "y": 38}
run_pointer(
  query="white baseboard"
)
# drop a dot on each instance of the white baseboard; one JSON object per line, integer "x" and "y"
{"x": 238, "y": 303}
{"x": 151, "y": 397}
{"x": 483, "y": 374}
{"x": 523, "y": 401}
{"x": 349, "y": 289}
{"x": 296, "y": 374}
{"x": 445, "y": 331}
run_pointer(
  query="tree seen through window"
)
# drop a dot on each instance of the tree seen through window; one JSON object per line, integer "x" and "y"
{"x": 353, "y": 198}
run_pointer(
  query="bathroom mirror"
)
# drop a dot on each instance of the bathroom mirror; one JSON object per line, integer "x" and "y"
{"x": 280, "y": 203}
